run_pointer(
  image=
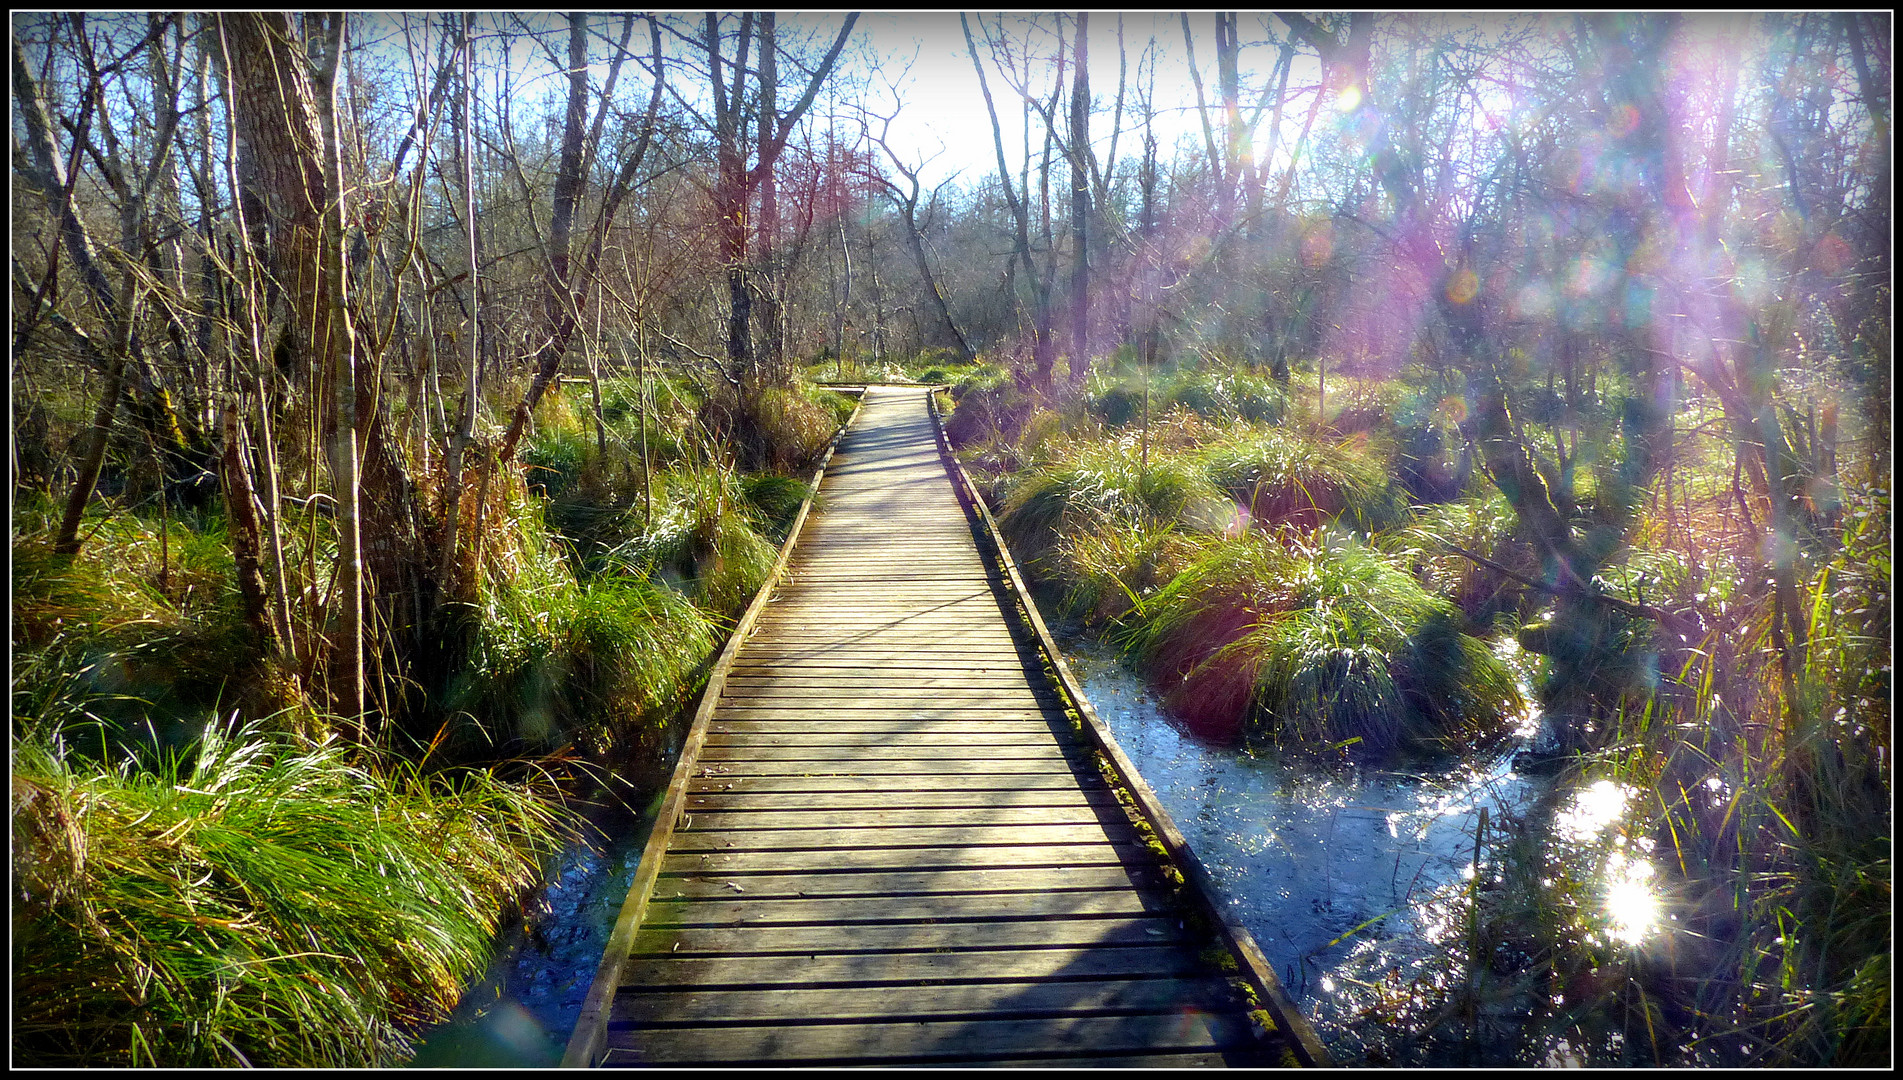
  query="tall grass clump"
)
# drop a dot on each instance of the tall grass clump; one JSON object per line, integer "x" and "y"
{"x": 552, "y": 657}
{"x": 552, "y": 660}
{"x": 1487, "y": 527}
{"x": 839, "y": 406}
{"x": 706, "y": 539}
{"x": 794, "y": 427}
{"x": 254, "y": 901}
{"x": 1215, "y": 393}
{"x": 775, "y": 500}
{"x": 987, "y": 412}
{"x": 1110, "y": 568}
{"x": 1319, "y": 645}
{"x": 1288, "y": 478}
{"x": 1093, "y": 485}
{"x": 139, "y": 634}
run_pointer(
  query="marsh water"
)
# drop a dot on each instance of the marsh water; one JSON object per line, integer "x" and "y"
{"x": 1340, "y": 874}
{"x": 1350, "y": 879}
{"x": 525, "y": 1007}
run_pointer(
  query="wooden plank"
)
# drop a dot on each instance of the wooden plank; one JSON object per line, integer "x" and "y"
{"x": 846, "y": 681}
{"x": 883, "y": 598}
{"x": 897, "y": 782}
{"x": 972, "y": 657}
{"x": 821, "y": 697}
{"x": 918, "y": 968}
{"x": 766, "y": 914}
{"x": 911, "y": 1040}
{"x": 695, "y": 840}
{"x": 956, "y": 740}
{"x": 901, "y": 642}
{"x": 989, "y": 768}
{"x": 882, "y": 751}
{"x": 909, "y": 816}
{"x": 935, "y": 621}
{"x": 831, "y": 737}
{"x": 955, "y": 798}
{"x": 929, "y": 664}
{"x": 886, "y": 712}
{"x": 845, "y": 860}
{"x": 1132, "y": 1060}
{"x": 1046, "y": 798}
{"x": 961, "y": 728}
{"x": 970, "y": 999}
{"x": 906, "y": 882}
{"x": 809, "y": 941}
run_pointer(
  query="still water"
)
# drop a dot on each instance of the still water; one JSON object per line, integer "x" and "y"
{"x": 522, "y": 1012}
{"x": 1342, "y": 875}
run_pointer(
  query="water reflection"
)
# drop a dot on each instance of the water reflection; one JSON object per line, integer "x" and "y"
{"x": 1594, "y": 809}
{"x": 522, "y": 1012}
{"x": 1343, "y": 876}
{"x": 1631, "y": 903}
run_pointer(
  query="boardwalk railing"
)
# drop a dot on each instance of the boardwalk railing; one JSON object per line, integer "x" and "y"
{"x": 1254, "y": 966}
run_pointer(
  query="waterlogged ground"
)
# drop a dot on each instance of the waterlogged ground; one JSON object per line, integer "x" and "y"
{"x": 522, "y": 1012}
{"x": 1343, "y": 876}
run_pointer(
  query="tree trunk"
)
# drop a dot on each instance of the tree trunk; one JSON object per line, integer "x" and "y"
{"x": 772, "y": 316}
{"x": 66, "y": 542}
{"x": 246, "y": 532}
{"x": 342, "y": 356}
{"x": 908, "y": 212}
{"x": 1080, "y": 205}
{"x": 466, "y": 422}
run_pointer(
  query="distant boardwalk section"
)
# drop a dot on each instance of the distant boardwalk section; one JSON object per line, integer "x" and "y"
{"x": 892, "y": 846}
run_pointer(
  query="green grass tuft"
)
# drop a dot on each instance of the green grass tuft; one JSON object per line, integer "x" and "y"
{"x": 253, "y": 902}
{"x": 1095, "y": 485}
{"x": 1318, "y": 646}
{"x": 1287, "y": 478}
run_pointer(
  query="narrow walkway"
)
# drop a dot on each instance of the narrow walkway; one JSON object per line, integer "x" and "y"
{"x": 894, "y": 849}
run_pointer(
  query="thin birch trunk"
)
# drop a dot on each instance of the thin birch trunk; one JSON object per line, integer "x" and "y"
{"x": 459, "y": 442}
{"x": 343, "y": 443}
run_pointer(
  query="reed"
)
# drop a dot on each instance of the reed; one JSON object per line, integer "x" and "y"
{"x": 1750, "y": 827}
{"x": 1283, "y": 477}
{"x": 1320, "y": 644}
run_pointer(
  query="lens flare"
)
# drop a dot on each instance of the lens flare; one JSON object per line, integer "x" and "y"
{"x": 1463, "y": 287}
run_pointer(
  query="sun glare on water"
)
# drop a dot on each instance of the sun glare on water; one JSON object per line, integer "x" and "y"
{"x": 1631, "y": 903}
{"x": 1593, "y": 811}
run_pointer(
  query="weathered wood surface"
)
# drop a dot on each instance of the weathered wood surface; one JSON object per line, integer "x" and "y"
{"x": 892, "y": 846}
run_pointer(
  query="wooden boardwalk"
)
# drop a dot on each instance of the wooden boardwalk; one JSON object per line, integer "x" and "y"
{"x": 892, "y": 845}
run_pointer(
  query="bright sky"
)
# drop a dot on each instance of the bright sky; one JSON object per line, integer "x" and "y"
{"x": 944, "y": 108}
{"x": 943, "y": 114}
